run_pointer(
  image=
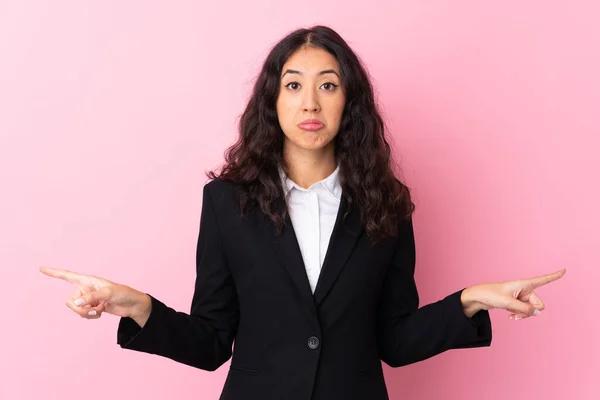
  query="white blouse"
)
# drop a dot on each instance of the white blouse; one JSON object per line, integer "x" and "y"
{"x": 313, "y": 212}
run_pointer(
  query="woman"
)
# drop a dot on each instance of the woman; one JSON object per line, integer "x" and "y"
{"x": 306, "y": 250}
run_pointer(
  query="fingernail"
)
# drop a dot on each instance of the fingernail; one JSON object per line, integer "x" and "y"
{"x": 93, "y": 312}
{"x": 518, "y": 318}
{"x": 78, "y": 302}
{"x": 536, "y": 312}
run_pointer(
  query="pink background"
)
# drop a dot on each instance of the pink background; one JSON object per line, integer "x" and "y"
{"x": 111, "y": 111}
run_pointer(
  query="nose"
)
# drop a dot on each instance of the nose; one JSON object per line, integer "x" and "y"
{"x": 310, "y": 102}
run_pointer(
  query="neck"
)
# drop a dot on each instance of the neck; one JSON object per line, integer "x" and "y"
{"x": 307, "y": 167}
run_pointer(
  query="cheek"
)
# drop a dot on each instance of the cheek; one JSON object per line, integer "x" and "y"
{"x": 285, "y": 111}
{"x": 337, "y": 112}
{"x": 285, "y": 116}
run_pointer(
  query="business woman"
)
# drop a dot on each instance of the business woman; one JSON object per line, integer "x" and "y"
{"x": 306, "y": 251}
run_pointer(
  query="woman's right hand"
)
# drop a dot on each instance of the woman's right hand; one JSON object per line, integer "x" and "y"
{"x": 95, "y": 295}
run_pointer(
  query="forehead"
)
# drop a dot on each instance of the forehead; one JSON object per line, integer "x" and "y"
{"x": 311, "y": 60}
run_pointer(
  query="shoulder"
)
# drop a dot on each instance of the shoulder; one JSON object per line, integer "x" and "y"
{"x": 217, "y": 187}
{"x": 221, "y": 192}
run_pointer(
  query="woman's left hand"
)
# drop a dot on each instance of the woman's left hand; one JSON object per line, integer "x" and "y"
{"x": 518, "y": 297}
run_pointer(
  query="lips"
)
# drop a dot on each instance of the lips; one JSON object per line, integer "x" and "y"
{"x": 311, "y": 125}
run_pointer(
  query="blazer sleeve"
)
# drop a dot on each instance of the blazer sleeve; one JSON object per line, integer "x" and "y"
{"x": 203, "y": 338}
{"x": 407, "y": 333}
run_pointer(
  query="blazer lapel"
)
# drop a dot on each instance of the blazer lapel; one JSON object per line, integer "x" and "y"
{"x": 288, "y": 251}
{"x": 342, "y": 242}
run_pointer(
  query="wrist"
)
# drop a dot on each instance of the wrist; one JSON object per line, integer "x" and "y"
{"x": 141, "y": 311}
{"x": 469, "y": 302}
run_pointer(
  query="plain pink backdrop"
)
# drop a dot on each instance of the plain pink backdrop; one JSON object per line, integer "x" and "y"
{"x": 111, "y": 111}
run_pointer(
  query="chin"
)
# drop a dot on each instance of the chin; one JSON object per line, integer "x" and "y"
{"x": 309, "y": 140}
{"x": 313, "y": 146}
{"x": 312, "y": 141}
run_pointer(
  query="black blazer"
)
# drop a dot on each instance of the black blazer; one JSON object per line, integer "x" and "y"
{"x": 252, "y": 287}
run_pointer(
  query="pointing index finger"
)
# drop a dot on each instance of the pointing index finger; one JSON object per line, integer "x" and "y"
{"x": 545, "y": 279}
{"x": 63, "y": 274}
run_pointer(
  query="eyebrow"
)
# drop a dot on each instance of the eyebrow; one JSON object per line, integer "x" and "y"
{"x": 293, "y": 71}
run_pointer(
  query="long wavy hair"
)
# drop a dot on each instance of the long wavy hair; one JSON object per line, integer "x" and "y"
{"x": 366, "y": 169}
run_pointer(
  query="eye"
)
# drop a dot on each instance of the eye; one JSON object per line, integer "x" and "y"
{"x": 330, "y": 86}
{"x": 292, "y": 83}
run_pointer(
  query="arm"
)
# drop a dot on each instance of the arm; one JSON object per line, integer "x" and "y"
{"x": 408, "y": 334}
{"x": 202, "y": 339}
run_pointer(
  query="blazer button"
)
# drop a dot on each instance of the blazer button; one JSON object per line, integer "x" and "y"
{"x": 313, "y": 342}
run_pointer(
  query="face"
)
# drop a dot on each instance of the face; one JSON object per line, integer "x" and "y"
{"x": 311, "y": 88}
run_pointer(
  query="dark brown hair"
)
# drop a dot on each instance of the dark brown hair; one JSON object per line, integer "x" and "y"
{"x": 361, "y": 149}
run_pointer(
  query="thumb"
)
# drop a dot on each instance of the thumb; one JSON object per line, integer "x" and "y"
{"x": 93, "y": 298}
{"x": 519, "y": 307}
